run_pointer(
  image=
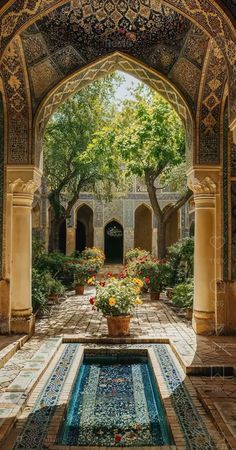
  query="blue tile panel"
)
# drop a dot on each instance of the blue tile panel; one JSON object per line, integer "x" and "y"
{"x": 134, "y": 410}
{"x": 35, "y": 430}
{"x": 115, "y": 400}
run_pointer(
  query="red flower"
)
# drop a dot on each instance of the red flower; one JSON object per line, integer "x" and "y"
{"x": 147, "y": 280}
{"x": 109, "y": 274}
{"x": 92, "y": 300}
{"x": 102, "y": 283}
{"x": 118, "y": 437}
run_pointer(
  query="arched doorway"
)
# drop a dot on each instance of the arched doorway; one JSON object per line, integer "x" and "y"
{"x": 62, "y": 237}
{"x": 84, "y": 228}
{"x": 114, "y": 242}
{"x": 143, "y": 228}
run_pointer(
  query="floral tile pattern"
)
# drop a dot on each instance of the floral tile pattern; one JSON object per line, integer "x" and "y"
{"x": 126, "y": 387}
{"x": 114, "y": 402}
{"x": 35, "y": 430}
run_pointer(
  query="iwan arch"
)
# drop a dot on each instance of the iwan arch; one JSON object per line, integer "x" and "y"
{"x": 187, "y": 51}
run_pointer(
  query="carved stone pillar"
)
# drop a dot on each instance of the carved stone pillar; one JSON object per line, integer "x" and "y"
{"x": 22, "y": 183}
{"x": 205, "y": 253}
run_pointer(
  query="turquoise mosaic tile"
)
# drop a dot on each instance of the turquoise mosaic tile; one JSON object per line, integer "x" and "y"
{"x": 192, "y": 425}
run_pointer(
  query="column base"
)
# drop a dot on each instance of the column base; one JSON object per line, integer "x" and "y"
{"x": 23, "y": 325}
{"x": 203, "y": 322}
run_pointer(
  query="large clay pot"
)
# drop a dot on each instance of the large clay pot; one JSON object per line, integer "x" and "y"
{"x": 155, "y": 295}
{"x": 79, "y": 290}
{"x": 118, "y": 325}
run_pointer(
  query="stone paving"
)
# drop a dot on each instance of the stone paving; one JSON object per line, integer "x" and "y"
{"x": 73, "y": 319}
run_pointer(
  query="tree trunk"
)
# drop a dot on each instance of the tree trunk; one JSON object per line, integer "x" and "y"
{"x": 53, "y": 245}
{"x": 161, "y": 239}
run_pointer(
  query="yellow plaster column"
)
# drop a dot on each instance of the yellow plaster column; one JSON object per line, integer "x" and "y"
{"x": 205, "y": 253}
{"x": 22, "y": 183}
{"x": 70, "y": 240}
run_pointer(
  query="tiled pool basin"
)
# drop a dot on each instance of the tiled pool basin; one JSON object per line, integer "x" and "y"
{"x": 115, "y": 401}
{"x": 62, "y": 395}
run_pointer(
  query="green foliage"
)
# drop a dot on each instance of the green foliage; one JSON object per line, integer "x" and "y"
{"x": 70, "y": 163}
{"x": 55, "y": 287}
{"x": 181, "y": 260}
{"x": 146, "y": 132}
{"x": 183, "y": 294}
{"x": 38, "y": 249}
{"x": 117, "y": 297}
{"x": 39, "y": 289}
{"x": 135, "y": 253}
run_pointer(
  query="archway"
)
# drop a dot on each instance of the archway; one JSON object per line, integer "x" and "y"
{"x": 35, "y": 83}
{"x": 143, "y": 227}
{"x": 114, "y": 242}
{"x": 84, "y": 228}
{"x": 62, "y": 237}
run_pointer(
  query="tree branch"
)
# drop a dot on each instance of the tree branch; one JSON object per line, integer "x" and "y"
{"x": 173, "y": 208}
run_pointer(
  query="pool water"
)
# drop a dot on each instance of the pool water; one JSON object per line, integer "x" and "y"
{"x": 115, "y": 402}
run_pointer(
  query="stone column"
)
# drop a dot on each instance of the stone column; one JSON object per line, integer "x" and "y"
{"x": 70, "y": 240}
{"x": 205, "y": 264}
{"x": 22, "y": 183}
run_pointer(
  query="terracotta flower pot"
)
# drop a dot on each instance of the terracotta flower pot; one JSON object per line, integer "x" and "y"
{"x": 118, "y": 325}
{"x": 155, "y": 295}
{"x": 79, "y": 289}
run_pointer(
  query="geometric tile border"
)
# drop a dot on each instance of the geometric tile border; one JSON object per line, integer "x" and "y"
{"x": 185, "y": 414}
{"x": 13, "y": 400}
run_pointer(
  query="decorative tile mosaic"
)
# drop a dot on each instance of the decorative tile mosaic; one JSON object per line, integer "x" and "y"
{"x": 114, "y": 401}
{"x": 195, "y": 432}
{"x": 35, "y": 430}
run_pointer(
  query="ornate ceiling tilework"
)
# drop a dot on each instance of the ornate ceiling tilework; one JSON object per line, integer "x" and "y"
{"x": 43, "y": 75}
{"x": 80, "y": 32}
{"x": 211, "y": 100}
{"x": 187, "y": 76}
{"x": 34, "y": 47}
{"x": 17, "y": 105}
{"x": 195, "y": 46}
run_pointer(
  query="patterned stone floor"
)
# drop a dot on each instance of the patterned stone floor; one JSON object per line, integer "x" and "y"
{"x": 74, "y": 318}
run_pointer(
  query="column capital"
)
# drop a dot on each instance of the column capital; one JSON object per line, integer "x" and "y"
{"x": 23, "y": 180}
{"x": 204, "y": 181}
{"x": 205, "y": 186}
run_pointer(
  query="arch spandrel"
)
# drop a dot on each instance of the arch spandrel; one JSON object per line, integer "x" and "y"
{"x": 208, "y": 16}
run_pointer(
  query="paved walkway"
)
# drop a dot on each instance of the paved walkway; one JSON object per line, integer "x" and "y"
{"x": 74, "y": 319}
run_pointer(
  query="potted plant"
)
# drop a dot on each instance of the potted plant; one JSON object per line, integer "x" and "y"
{"x": 85, "y": 269}
{"x": 156, "y": 274}
{"x": 183, "y": 297}
{"x": 116, "y": 299}
{"x": 55, "y": 289}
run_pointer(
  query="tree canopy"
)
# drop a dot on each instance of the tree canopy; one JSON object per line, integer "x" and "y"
{"x": 70, "y": 163}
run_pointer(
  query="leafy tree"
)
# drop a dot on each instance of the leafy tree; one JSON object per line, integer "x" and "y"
{"x": 70, "y": 163}
{"x": 150, "y": 137}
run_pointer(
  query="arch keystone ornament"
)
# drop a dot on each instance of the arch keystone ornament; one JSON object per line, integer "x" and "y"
{"x": 206, "y": 271}
{"x": 22, "y": 183}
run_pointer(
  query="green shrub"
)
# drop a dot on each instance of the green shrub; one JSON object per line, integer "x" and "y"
{"x": 55, "y": 287}
{"x": 39, "y": 288}
{"x": 135, "y": 253}
{"x": 183, "y": 294}
{"x": 38, "y": 249}
{"x": 181, "y": 260}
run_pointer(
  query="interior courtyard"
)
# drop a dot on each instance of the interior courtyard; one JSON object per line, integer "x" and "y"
{"x": 65, "y": 381}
